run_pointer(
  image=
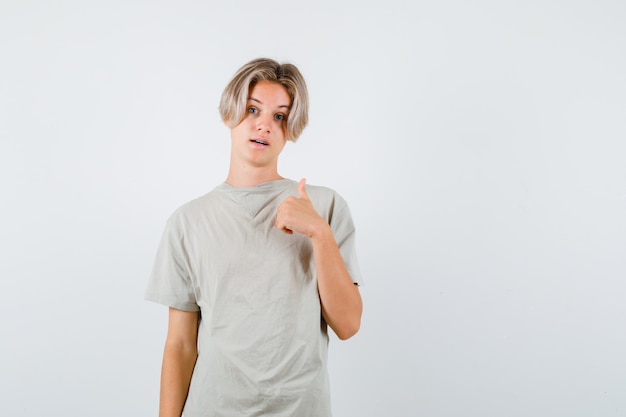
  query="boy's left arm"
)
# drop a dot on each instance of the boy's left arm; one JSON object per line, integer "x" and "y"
{"x": 340, "y": 297}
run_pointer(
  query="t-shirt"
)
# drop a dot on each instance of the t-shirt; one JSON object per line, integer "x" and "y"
{"x": 262, "y": 340}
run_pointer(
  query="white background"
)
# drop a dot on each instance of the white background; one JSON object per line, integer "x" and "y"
{"x": 481, "y": 146}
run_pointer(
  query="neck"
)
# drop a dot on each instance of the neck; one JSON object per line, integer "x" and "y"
{"x": 251, "y": 177}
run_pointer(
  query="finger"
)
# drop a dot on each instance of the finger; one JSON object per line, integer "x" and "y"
{"x": 302, "y": 189}
{"x": 279, "y": 223}
{"x": 284, "y": 229}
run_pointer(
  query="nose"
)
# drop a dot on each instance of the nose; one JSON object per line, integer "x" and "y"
{"x": 264, "y": 124}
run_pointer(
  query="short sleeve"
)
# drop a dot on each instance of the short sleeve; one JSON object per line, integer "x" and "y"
{"x": 170, "y": 282}
{"x": 342, "y": 225}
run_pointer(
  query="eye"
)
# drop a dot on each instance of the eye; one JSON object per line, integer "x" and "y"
{"x": 253, "y": 110}
{"x": 280, "y": 117}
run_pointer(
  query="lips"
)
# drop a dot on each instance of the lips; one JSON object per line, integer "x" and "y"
{"x": 260, "y": 142}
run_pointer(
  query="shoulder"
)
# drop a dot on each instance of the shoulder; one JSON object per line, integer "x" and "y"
{"x": 323, "y": 193}
{"x": 192, "y": 210}
{"x": 327, "y": 202}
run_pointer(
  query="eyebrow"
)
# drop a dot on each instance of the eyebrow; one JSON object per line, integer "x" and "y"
{"x": 260, "y": 102}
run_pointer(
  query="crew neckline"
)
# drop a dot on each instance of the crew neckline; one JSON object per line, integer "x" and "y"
{"x": 262, "y": 186}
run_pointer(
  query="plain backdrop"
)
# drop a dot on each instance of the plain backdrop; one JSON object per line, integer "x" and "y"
{"x": 481, "y": 146}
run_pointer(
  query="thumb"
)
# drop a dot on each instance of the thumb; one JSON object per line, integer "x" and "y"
{"x": 302, "y": 189}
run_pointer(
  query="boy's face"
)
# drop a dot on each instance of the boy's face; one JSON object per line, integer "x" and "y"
{"x": 260, "y": 137}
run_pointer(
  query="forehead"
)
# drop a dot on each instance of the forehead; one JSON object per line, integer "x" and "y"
{"x": 270, "y": 93}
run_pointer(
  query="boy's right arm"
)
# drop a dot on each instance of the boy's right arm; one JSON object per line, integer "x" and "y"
{"x": 179, "y": 359}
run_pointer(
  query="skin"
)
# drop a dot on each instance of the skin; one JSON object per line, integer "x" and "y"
{"x": 179, "y": 359}
{"x": 340, "y": 298}
{"x": 253, "y": 163}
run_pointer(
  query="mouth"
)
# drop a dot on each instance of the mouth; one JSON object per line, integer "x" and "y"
{"x": 259, "y": 141}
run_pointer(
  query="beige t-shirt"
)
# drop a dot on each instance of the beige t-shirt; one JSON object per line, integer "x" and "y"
{"x": 262, "y": 339}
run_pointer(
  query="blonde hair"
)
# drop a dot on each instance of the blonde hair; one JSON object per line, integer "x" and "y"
{"x": 235, "y": 96}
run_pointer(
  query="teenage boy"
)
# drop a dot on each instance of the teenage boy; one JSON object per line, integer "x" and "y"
{"x": 256, "y": 270}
